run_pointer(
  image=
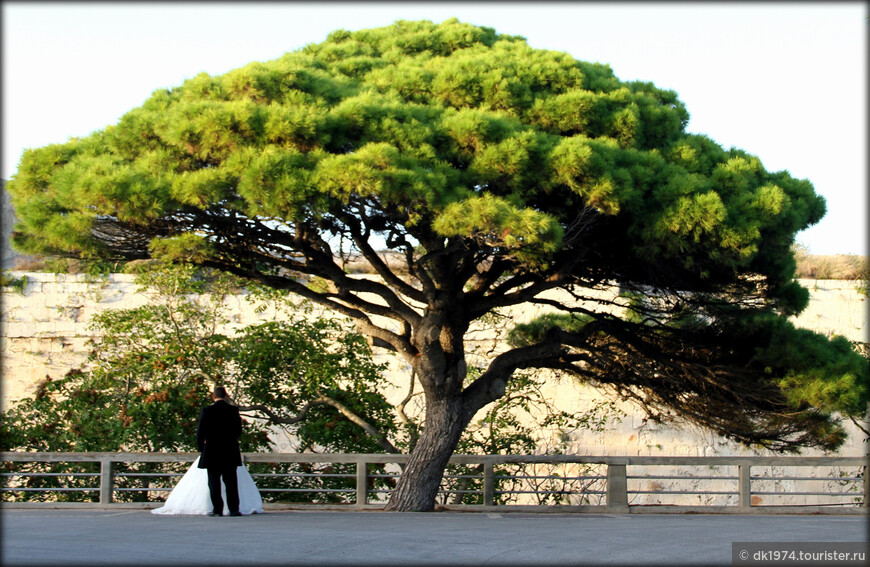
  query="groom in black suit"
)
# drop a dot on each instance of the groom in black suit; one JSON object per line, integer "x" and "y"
{"x": 217, "y": 438}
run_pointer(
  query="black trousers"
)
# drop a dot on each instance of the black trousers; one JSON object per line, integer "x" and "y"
{"x": 231, "y": 481}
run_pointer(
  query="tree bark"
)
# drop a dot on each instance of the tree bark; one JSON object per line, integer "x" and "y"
{"x": 418, "y": 486}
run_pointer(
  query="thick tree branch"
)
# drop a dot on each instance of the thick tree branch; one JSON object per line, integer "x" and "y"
{"x": 399, "y": 343}
{"x": 322, "y": 400}
{"x": 361, "y": 240}
{"x": 371, "y": 430}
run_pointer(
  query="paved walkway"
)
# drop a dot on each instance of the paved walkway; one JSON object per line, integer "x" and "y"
{"x": 137, "y": 537}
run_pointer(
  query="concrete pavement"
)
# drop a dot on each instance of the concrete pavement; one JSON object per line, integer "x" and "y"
{"x": 328, "y": 538}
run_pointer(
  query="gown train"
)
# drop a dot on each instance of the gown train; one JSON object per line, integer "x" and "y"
{"x": 191, "y": 496}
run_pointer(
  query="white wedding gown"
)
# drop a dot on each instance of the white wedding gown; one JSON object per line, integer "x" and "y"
{"x": 191, "y": 496}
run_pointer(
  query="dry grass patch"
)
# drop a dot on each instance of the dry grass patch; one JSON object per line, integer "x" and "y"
{"x": 832, "y": 267}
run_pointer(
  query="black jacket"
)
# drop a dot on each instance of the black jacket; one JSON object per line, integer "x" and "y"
{"x": 217, "y": 436}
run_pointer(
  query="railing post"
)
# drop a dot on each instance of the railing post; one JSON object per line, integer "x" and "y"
{"x": 866, "y": 475}
{"x": 362, "y": 482}
{"x": 744, "y": 486}
{"x": 107, "y": 481}
{"x": 488, "y": 483}
{"x": 617, "y": 489}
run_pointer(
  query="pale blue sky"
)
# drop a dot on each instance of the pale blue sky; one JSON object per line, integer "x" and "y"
{"x": 784, "y": 81}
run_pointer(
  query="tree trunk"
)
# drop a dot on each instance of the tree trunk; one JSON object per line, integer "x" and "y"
{"x": 418, "y": 486}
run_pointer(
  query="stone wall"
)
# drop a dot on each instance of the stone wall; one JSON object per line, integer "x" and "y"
{"x": 45, "y": 331}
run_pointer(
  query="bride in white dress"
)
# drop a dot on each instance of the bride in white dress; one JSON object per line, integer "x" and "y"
{"x": 191, "y": 496}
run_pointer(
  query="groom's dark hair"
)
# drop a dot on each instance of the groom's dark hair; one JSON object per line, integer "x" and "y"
{"x": 220, "y": 392}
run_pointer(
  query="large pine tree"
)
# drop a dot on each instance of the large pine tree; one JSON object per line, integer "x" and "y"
{"x": 498, "y": 174}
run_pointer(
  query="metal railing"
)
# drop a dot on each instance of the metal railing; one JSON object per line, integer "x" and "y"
{"x": 563, "y": 483}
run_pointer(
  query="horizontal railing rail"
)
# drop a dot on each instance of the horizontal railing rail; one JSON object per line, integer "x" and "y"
{"x": 614, "y": 484}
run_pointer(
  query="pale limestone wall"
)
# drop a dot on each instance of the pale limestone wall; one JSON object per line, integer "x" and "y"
{"x": 45, "y": 331}
{"x": 836, "y": 307}
{"x": 45, "y": 328}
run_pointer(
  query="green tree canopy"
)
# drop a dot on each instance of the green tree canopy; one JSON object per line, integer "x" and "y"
{"x": 495, "y": 173}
